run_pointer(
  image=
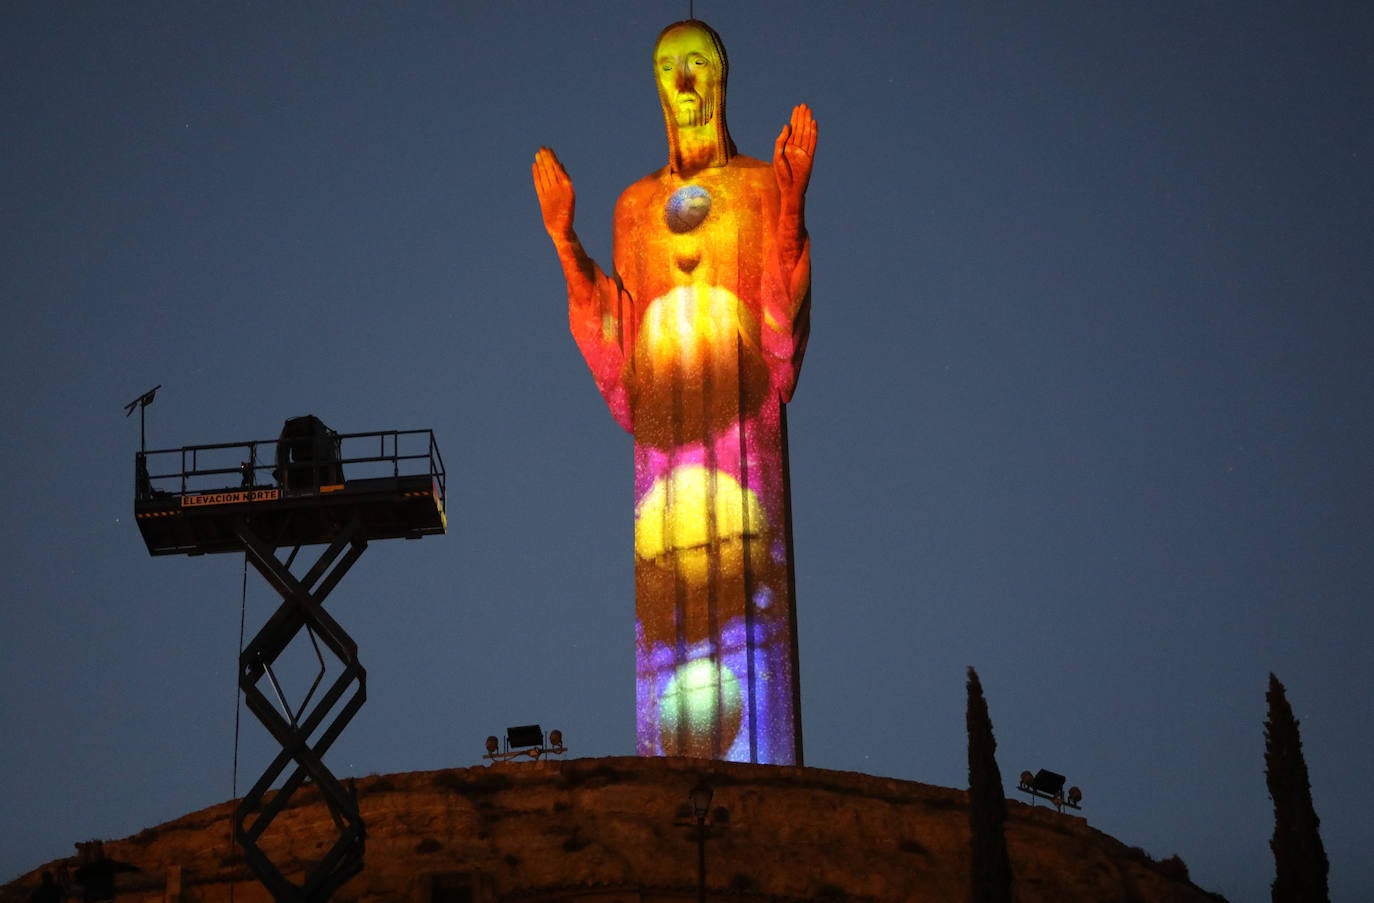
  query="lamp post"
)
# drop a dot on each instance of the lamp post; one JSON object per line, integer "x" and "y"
{"x": 700, "y": 798}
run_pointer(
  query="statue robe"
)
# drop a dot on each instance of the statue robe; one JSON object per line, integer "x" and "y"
{"x": 695, "y": 343}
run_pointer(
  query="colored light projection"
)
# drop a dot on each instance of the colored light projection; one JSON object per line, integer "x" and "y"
{"x": 695, "y": 340}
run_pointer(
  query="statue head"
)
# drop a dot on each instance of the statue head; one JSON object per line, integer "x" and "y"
{"x": 691, "y": 69}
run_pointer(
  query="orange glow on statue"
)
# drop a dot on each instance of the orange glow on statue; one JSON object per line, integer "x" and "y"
{"x": 695, "y": 339}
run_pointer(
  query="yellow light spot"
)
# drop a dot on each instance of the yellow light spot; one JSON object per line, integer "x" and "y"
{"x": 680, "y": 515}
{"x": 694, "y": 325}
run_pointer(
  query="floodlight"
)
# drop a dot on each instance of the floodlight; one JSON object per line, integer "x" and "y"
{"x": 525, "y": 735}
{"x": 1048, "y": 783}
{"x": 555, "y": 738}
{"x": 492, "y": 745}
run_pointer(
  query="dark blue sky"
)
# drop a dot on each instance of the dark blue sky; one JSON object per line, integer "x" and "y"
{"x": 1087, "y": 401}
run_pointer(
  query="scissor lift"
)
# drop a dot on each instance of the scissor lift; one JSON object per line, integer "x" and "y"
{"x": 310, "y": 486}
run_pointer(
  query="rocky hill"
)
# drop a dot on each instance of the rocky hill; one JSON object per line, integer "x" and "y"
{"x": 616, "y": 830}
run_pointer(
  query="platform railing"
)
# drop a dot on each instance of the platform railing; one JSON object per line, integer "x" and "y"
{"x": 240, "y": 465}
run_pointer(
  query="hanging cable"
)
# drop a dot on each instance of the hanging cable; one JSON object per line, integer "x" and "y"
{"x": 238, "y": 708}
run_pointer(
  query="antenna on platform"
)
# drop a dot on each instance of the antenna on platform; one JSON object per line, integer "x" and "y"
{"x": 142, "y": 402}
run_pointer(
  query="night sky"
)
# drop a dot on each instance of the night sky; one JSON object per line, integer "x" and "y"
{"x": 1086, "y": 404}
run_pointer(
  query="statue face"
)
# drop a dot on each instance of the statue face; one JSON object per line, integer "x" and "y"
{"x": 689, "y": 75}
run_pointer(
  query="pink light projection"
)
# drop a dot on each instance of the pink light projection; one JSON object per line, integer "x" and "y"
{"x": 695, "y": 340}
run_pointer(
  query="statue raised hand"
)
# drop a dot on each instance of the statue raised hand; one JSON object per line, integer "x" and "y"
{"x": 555, "y": 191}
{"x": 793, "y": 153}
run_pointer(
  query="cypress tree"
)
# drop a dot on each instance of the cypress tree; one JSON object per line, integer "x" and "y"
{"x": 987, "y": 805}
{"x": 1299, "y": 859}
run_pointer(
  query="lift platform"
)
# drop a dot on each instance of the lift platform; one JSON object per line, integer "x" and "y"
{"x": 190, "y": 500}
{"x": 309, "y": 486}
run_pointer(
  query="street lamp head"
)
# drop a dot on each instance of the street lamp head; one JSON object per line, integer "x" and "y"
{"x": 700, "y": 798}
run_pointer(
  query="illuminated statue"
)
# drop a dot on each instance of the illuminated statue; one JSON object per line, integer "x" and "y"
{"x": 695, "y": 339}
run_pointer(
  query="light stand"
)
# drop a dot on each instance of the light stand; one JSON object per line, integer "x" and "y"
{"x": 700, "y": 798}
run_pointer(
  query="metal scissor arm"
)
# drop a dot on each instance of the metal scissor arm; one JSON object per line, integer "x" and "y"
{"x": 302, "y": 608}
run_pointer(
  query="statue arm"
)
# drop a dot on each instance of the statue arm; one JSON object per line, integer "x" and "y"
{"x": 789, "y": 323}
{"x": 594, "y": 299}
{"x": 556, "y": 204}
{"x": 793, "y": 154}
